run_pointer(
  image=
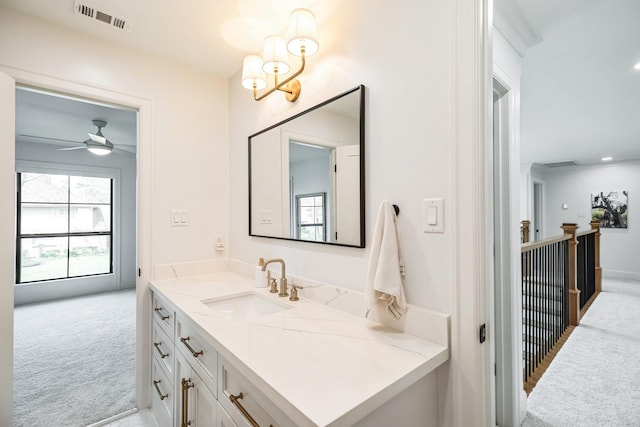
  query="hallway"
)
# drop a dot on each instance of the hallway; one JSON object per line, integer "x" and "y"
{"x": 593, "y": 381}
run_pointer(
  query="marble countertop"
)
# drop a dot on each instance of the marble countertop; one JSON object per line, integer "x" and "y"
{"x": 321, "y": 366}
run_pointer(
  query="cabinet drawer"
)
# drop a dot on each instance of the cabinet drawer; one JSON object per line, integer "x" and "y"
{"x": 162, "y": 348}
{"x": 162, "y": 397}
{"x": 223, "y": 419}
{"x": 164, "y": 314}
{"x": 199, "y": 353}
{"x": 251, "y": 407}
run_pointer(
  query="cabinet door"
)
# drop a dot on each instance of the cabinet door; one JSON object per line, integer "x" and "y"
{"x": 195, "y": 404}
{"x": 162, "y": 396}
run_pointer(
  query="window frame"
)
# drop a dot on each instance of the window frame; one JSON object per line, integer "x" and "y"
{"x": 323, "y": 224}
{"x": 72, "y": 170}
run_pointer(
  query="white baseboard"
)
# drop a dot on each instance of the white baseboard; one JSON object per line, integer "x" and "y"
{"x": 617, "y": 274}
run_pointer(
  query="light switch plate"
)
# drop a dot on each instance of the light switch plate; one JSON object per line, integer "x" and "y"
{"x": 179, "y": 218}
{"x": 433, "y": 215}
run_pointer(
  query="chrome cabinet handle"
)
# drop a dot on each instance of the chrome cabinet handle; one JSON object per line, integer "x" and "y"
{"x": 162, "y": 316}
{"x": 162, "y": 396}
{"x": 157, "y": 346}
{"x": 193, "y": 352}
{"x": 236, "y": 401}
{"x": 186, "y": 385}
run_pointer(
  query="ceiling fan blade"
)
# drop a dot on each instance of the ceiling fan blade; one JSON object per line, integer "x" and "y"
{"x": 128, "y": 148}
{"x": 97, "y": 138}
{"x": 49, "y": 138}
{"x": 71, "y": 148}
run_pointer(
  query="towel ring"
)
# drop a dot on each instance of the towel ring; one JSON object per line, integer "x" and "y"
{"x": 397, "y": 209}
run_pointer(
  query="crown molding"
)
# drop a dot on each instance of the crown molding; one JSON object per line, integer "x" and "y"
{"x": 511, "y": 23}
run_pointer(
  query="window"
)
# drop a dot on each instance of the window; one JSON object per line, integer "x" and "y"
{"x": 64, "y": 226}
{"x": 311, "y": 217}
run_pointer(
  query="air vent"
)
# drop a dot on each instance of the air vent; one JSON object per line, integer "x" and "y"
{"x": 85, "y": 9}
{"x": 560, "y": 164}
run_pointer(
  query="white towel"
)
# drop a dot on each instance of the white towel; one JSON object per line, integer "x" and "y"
{"x": 386, "y": 265}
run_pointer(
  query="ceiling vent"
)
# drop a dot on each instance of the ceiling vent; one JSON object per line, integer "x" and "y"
{"x": 560, "y": 164}
{"x": 87, "y": 10}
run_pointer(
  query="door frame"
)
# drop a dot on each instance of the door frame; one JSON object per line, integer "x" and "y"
{"x": 145, "y": 172}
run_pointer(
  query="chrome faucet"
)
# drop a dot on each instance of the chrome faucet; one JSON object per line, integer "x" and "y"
{"x": 283, "y": 280}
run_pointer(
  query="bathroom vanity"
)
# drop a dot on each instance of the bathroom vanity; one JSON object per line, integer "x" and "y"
{"x": 228, "y": 354}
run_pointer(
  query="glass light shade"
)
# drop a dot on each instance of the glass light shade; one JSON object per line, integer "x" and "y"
{"x": 303, "y": 32}
{"x": 252, "y": 73}
{"x": 99, "y": 151}
{"x": 274, "y": 55}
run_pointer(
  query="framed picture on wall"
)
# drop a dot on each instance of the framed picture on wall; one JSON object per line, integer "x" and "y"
{"x": 610, "y": 208}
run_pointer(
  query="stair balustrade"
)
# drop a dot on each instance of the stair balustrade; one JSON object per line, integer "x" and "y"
{"x": 561, "y": 276}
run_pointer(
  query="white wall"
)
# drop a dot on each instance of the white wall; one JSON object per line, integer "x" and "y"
{"x": 122, "y": 161}
{"x": 574, "y": 186}
{"x": 407, "y": 150}
{"x": 189, "y": 123}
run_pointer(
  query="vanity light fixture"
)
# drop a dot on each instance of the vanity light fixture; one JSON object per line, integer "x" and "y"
{"x": 303, "y": 42}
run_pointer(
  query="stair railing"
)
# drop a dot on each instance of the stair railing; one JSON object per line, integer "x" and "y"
{"x": 545, "y": 298}
{"x": 561, "y": 277}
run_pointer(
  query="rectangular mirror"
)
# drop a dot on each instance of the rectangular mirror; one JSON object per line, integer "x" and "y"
{"x": 306, "y": 174}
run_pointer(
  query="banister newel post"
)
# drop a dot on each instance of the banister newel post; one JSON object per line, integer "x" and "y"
{"x": 595, "y": 225}
{"x": 574, "y": 292}
{"x": 525, "y": 230}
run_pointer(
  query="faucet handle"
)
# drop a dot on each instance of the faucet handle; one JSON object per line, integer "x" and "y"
{"x": 294, "y": 292}
{"x": 274, "y": 285}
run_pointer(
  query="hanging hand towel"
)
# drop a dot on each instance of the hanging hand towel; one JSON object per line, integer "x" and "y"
{"x": 386, "y": 266}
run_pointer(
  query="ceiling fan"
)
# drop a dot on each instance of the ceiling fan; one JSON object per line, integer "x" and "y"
{"x": 97, "y": 143}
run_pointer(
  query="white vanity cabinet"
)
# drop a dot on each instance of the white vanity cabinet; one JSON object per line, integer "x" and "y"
{"x": 193, "y": 386}
{"x": 305, "y": 365}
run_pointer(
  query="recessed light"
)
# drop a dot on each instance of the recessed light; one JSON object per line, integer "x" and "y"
{"x": 637, "y": 66}
{"x": 606, "y": 159}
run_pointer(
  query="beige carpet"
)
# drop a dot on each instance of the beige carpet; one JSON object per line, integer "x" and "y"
{"x": 595, "y": 378}
{"x": 74, "y": 361}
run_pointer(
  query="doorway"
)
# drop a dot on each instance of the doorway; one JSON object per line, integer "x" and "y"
{"x": 537, "y": 210}
{"x": 145, "y": 171}
{"x": 72, "y": 209}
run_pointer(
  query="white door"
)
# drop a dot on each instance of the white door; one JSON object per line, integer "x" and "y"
{"x": 348, "y": 195}
{"x": 7, "y": 248}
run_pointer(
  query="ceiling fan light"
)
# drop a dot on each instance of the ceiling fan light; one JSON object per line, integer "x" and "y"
{"x": 99, "y": 150}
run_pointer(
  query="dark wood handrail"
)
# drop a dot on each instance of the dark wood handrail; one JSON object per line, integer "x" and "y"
{"x": 584, "y": 233}
{"x": 540, "y": 243}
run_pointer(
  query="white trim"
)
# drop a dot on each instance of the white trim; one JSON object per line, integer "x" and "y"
{"x": 7, "y": 250}
{"x": 510, "y": 22}
{"x": 145, "y": 170}
{"x": 76, "y": 286}
{"x": 471, "y": 374}
{"x": 617, "y": 274}
{"x": 506, "y": 71}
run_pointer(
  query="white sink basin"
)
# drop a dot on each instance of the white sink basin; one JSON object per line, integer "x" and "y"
{"x": 244, "y": 307}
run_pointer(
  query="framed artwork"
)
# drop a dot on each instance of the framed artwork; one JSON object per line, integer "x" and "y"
{"x": 610, "y": 208}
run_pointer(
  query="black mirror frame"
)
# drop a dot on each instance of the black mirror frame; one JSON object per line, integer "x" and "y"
{"x": 361, "y": 104}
